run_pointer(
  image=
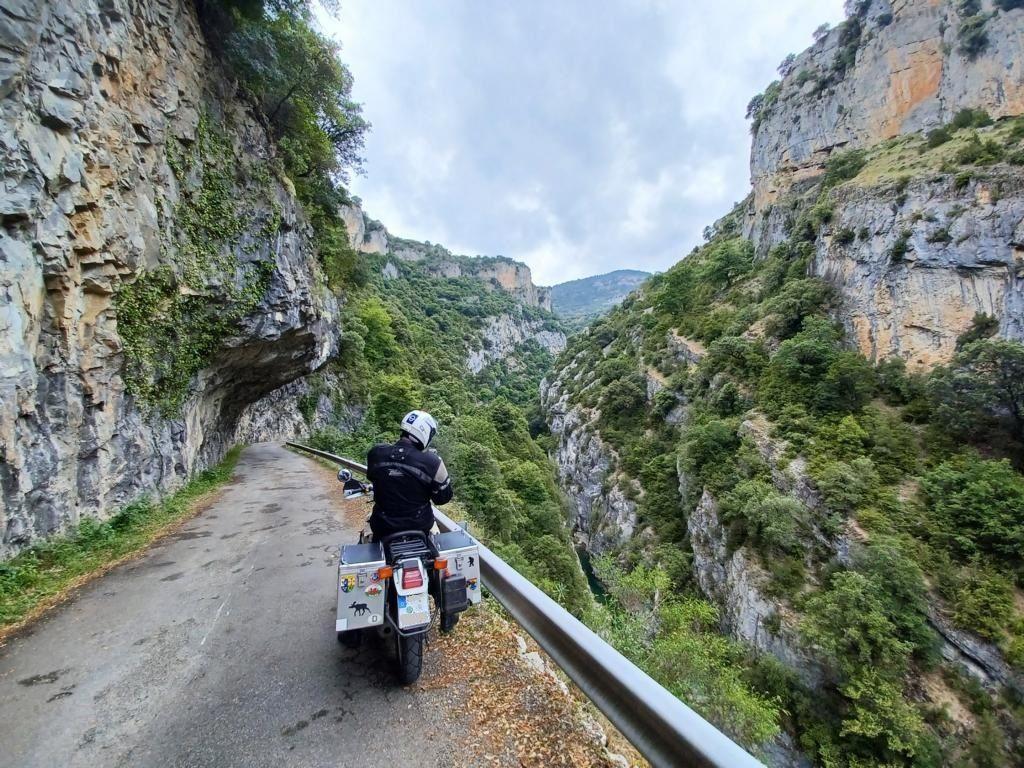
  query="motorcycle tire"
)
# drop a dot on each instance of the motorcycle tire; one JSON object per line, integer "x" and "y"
{"x": 351, "y": 639}
{"x": 448, "y": 622}
{"x": 410, "y": 658}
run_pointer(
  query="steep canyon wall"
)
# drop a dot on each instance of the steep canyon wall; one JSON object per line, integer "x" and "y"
{"x": 878, "y": 83}
{"x": 116, "y": 125}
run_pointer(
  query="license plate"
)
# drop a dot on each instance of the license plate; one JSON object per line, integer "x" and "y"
{"x": 413, "y": 610}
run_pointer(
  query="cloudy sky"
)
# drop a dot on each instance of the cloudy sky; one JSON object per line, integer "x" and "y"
{"x": 574, "y": 135}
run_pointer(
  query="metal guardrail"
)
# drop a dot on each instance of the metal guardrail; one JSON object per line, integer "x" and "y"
{"x": 663, "y": 729}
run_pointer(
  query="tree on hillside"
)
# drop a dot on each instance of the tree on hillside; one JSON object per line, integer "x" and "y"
{"x": 303, "y": 90}
{"x": 983, "y": 386}
{"x": 304, "y": 94}
{"x": 976, "y": 506}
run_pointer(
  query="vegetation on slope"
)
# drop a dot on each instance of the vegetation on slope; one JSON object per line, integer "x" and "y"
{"x": 916, "y": 472}
{"x": 404, "y": 346}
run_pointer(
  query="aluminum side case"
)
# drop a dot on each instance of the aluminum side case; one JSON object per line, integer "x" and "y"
{"x": 463, "y": 555}
{"x": 361, "y": 591}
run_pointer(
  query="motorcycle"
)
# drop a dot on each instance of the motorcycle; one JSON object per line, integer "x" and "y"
{"x": 391, "y": 584}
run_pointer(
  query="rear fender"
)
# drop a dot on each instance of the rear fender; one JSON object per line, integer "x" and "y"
{"x": 411, "y": 605}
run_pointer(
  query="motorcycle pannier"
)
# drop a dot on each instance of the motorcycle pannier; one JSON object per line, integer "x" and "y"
{"x": 361, "y": 591}
{"x": 463, "y": 556}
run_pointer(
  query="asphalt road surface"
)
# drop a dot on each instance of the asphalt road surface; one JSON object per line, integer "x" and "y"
{"x": 217, "y": 648}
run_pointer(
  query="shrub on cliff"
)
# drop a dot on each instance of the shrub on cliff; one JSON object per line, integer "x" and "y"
{"x": 852, "y": 624}
{"x": 850, "y": 32}
{"x": 736, "y": 356}
{"x": 773, "y": 521}
{"x": 761, "y": 105}
{"x": 812, "y": 369}
{"x": 981, "y": 389}
{"x": 843, "y": 166}
{"x": 973, "y": 37}
{"x": 709, "y": 456}
{"x": 939, "y": 136}
{"x": 727, "y": 260}
{"x": 797, "y": 300}
{"x": 980, "y": 152}
{"x": 975, "y": 506}
{"x": 983, "y": 326}
{"x": 304, "y": 93}
{"x": 982, "y": 600}
{"x": 676, "y": 639}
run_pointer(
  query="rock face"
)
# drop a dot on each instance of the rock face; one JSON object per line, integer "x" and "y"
{"x": 365, "y": 234}
{"x": 505, "y": 333}
{"x": 980, "y": 659}
{"x": 736, "y": 581}
{"x": 297, "y": 409}
{"x": 908, "y": 75}
{"x": 603, "y": 518}
{"x": 960, "y": 239}
{"x": 965, "y": 255}
{"x": 98, "y": 100}
{"x": 513, "y": 277}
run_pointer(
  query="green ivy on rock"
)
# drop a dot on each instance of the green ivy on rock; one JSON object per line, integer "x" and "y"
{"x": 172, "y": 319}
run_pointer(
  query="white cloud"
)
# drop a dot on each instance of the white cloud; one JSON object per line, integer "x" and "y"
{"x": 578, "y": 137}
{"x": 524, "y": 202}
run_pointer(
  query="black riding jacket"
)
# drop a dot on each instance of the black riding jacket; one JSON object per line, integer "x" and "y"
{"x": 405, "y": 480}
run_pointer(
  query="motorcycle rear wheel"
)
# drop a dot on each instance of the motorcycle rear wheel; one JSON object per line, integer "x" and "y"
{"x": 410, "y": 658}
{"x": 351, "y": 639}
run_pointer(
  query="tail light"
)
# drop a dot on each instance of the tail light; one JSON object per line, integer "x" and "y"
{"x": 412, "y": 578}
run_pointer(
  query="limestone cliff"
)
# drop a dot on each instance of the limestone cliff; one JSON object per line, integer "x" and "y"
{"x": 877, "y": 84}
{"x": 364, "y": 234}
{"x": 135, "y": 181}
{"x": 895, "y": 67}
{"x": 501, "y": 273}
{"x": 503, "y": 334}
{"x": 602, "y": 517}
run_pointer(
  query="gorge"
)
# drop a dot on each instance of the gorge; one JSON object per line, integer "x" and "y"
{"x": 793, "y": 458}
{"x": 777, "y": 407}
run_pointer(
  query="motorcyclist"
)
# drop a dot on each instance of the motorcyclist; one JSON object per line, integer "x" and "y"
{"x": 406, "y": 478}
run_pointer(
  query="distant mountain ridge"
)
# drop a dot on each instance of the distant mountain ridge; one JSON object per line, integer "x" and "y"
{"x": 580, "y": 300}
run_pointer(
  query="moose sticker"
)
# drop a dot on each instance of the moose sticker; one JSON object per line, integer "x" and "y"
{"x": 359, "y": 608}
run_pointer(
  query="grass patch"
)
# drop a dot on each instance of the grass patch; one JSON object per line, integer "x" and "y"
{"x": 919, "y": 155}
{"x": 43, "y": 575}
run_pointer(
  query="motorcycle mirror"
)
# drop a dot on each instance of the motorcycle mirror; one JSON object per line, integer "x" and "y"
{"x": 344, "y": 475}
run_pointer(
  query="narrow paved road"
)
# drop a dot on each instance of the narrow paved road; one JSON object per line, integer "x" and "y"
{"x": 216, "y": 648}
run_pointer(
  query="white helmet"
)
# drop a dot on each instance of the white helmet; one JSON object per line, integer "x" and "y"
{"x": 421, "y": 426}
